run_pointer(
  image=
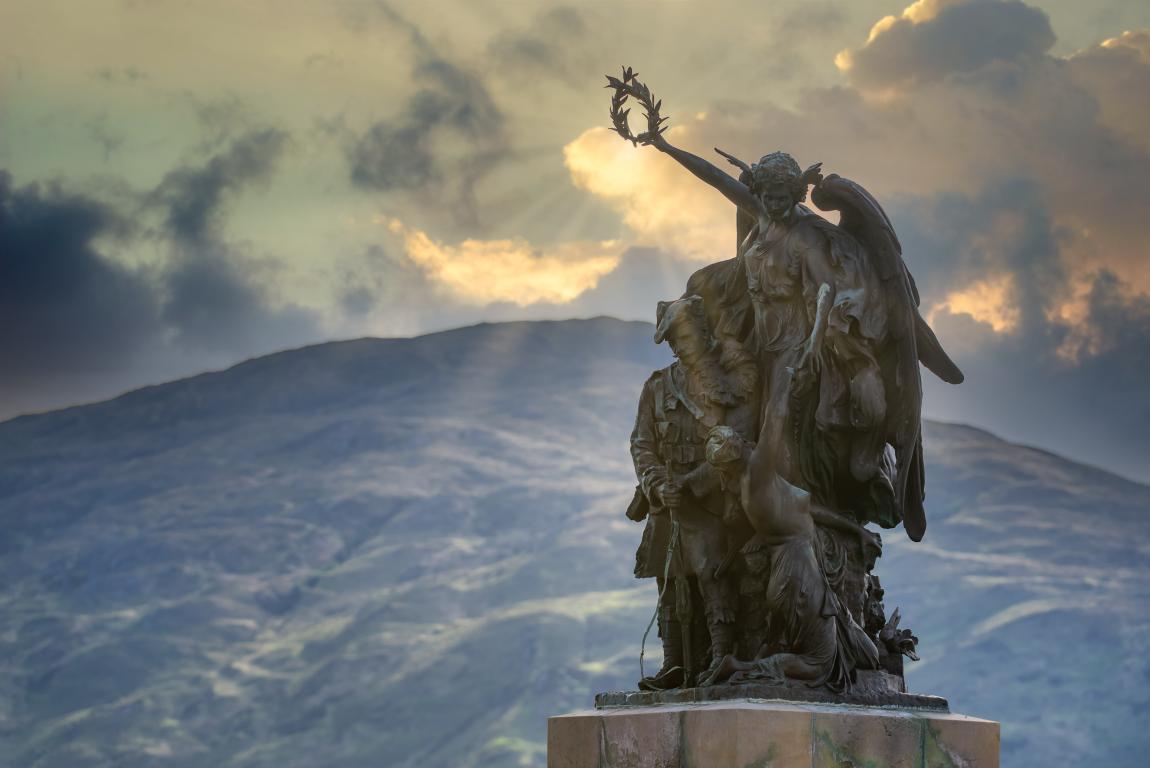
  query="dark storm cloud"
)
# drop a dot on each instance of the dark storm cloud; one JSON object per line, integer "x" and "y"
{"x": 214, "y": 304}
{"x": 954, "y": 240}
{"x": 193, "y": 196}
{"x": 212, "y": 297}
{"x": 1093, "y": 409}
{"x": 447, "y": 137}
{"x": 75, "y": 323}
{"x": 960, "y": 38}
{"x": 64, "y": 308}
{"x": 1077, "y": 384}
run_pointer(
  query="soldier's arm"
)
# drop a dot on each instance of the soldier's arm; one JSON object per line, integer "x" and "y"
{"x": 649, "y": 466}
{"x": 702, "y": 480}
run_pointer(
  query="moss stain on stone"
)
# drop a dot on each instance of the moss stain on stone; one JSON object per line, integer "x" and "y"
{"x": 766, "y": 760}
{"x": 828, "y": 754}
{"x": 935, "y": 754}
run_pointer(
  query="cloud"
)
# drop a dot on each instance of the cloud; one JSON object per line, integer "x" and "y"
{"x": 1015, "y": 179}
{"x": 987, "y": 301}
{"x": 109, "y": 141}
{"x": 788, "y": 56}
{"x": 76, "y": 322}
{"x": 991, "y": 267}
{"x": 220, "y": 119}
{"x": 644, "y": 277}
{"x": 662, "y": 204}
{"x": 935, "y": 38}
{"x": 213, "y": 300}
{"x": 65, "y": 308}
{"x": 489, "y": 271}
{"x": 552, "y": 44}
{"x": 193, "y": 197}
{"x": 994, "y": 255}
{"x": 447, "y": 137}
{"x": 213, "y": 303}
{"x": 1116, "y": 73}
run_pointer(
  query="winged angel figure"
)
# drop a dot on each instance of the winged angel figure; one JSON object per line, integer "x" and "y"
{"x": 831, "y": 314}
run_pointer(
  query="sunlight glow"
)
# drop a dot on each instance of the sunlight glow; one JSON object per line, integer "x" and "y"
{"x": 488, "y": 271}
{"x": 662, "y": 203}
{"x": 987, "y": 301}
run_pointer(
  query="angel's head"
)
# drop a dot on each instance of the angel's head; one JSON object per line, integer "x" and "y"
{"x": 777, "y": 180}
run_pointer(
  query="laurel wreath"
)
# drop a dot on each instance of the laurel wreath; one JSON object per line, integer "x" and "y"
{"x": 630, "y": 87}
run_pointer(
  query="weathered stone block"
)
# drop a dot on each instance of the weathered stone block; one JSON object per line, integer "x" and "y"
{"x": 775, "y": 737}
{"x": 883, "y": 739}
{"x": 769, "y": 734}
{"x": 574, "y": 740}
{"x": 642, "y": 738}
{"x": 955, "y": 741}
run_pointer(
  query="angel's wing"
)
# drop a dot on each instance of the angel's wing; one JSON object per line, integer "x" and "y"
{"x": 908, "y": 340}
{"x": 864, "y": 218}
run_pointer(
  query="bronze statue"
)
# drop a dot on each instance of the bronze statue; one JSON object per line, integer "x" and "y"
{"x": 829, "y": 314}
{"x": 815, "y": 639}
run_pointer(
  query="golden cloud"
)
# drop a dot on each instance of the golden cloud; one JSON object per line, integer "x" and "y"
{"x": 987, "y": 301}
{"x": 1134, "y": 41}
{"x": 512, "y": 270}
{"x": 661, "y": 202}
{"x": 916, "y": 13}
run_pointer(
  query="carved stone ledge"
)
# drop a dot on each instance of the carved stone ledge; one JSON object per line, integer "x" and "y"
{"x": 872, "y": 689}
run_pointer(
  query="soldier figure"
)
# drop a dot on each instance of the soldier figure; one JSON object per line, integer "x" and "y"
{"x": 709, "y": 385}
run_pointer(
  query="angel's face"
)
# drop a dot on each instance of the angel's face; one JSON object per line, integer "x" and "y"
{"x": 778, "y": 201}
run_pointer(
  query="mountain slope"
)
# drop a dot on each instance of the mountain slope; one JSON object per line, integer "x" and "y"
{"x": 410, "y": 552}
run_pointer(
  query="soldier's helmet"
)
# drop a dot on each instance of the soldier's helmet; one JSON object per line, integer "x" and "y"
{"x": 669, "y": 314}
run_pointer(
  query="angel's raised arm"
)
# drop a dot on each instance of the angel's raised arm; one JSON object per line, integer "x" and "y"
{"x": 731, "y": 188}
{"x": 630, "y": 87}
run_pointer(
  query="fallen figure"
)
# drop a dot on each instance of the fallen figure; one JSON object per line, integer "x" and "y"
{"x": 813, "y": 638}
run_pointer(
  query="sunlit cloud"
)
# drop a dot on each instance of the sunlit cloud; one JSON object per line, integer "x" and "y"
{"x": 988, "y": 301}
{"x": 915, "y": 13}
{"x": 510, "y": 270}
{"x": 1136, "y": 41}
{"x": 663, "y": 204}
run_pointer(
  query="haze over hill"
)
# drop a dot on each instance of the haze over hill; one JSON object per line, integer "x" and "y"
{"x": 409, "y": 552}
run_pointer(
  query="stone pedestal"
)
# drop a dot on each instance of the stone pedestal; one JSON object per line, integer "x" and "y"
{"x": 769, "y": 734}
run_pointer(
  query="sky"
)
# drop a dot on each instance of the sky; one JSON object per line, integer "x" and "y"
{"x": 184, "y": 185}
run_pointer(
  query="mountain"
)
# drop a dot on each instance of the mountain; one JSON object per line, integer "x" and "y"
{"x": 410, "y": 552}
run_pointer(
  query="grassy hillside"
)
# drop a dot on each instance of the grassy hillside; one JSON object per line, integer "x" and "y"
{"x": 410, "y": 552}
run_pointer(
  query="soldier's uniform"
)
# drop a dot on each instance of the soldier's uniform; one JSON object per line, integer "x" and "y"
{"x": 671, "y": 431}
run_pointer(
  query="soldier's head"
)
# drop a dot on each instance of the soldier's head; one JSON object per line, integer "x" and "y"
{"x": 683, "y": 324}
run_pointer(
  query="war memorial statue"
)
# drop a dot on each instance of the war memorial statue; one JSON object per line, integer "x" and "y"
{"x": 786, "y": 430}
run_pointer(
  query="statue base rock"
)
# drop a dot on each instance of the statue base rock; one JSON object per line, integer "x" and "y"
{"x": 872, "y": 688}
{"x": 778, "y": 734}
